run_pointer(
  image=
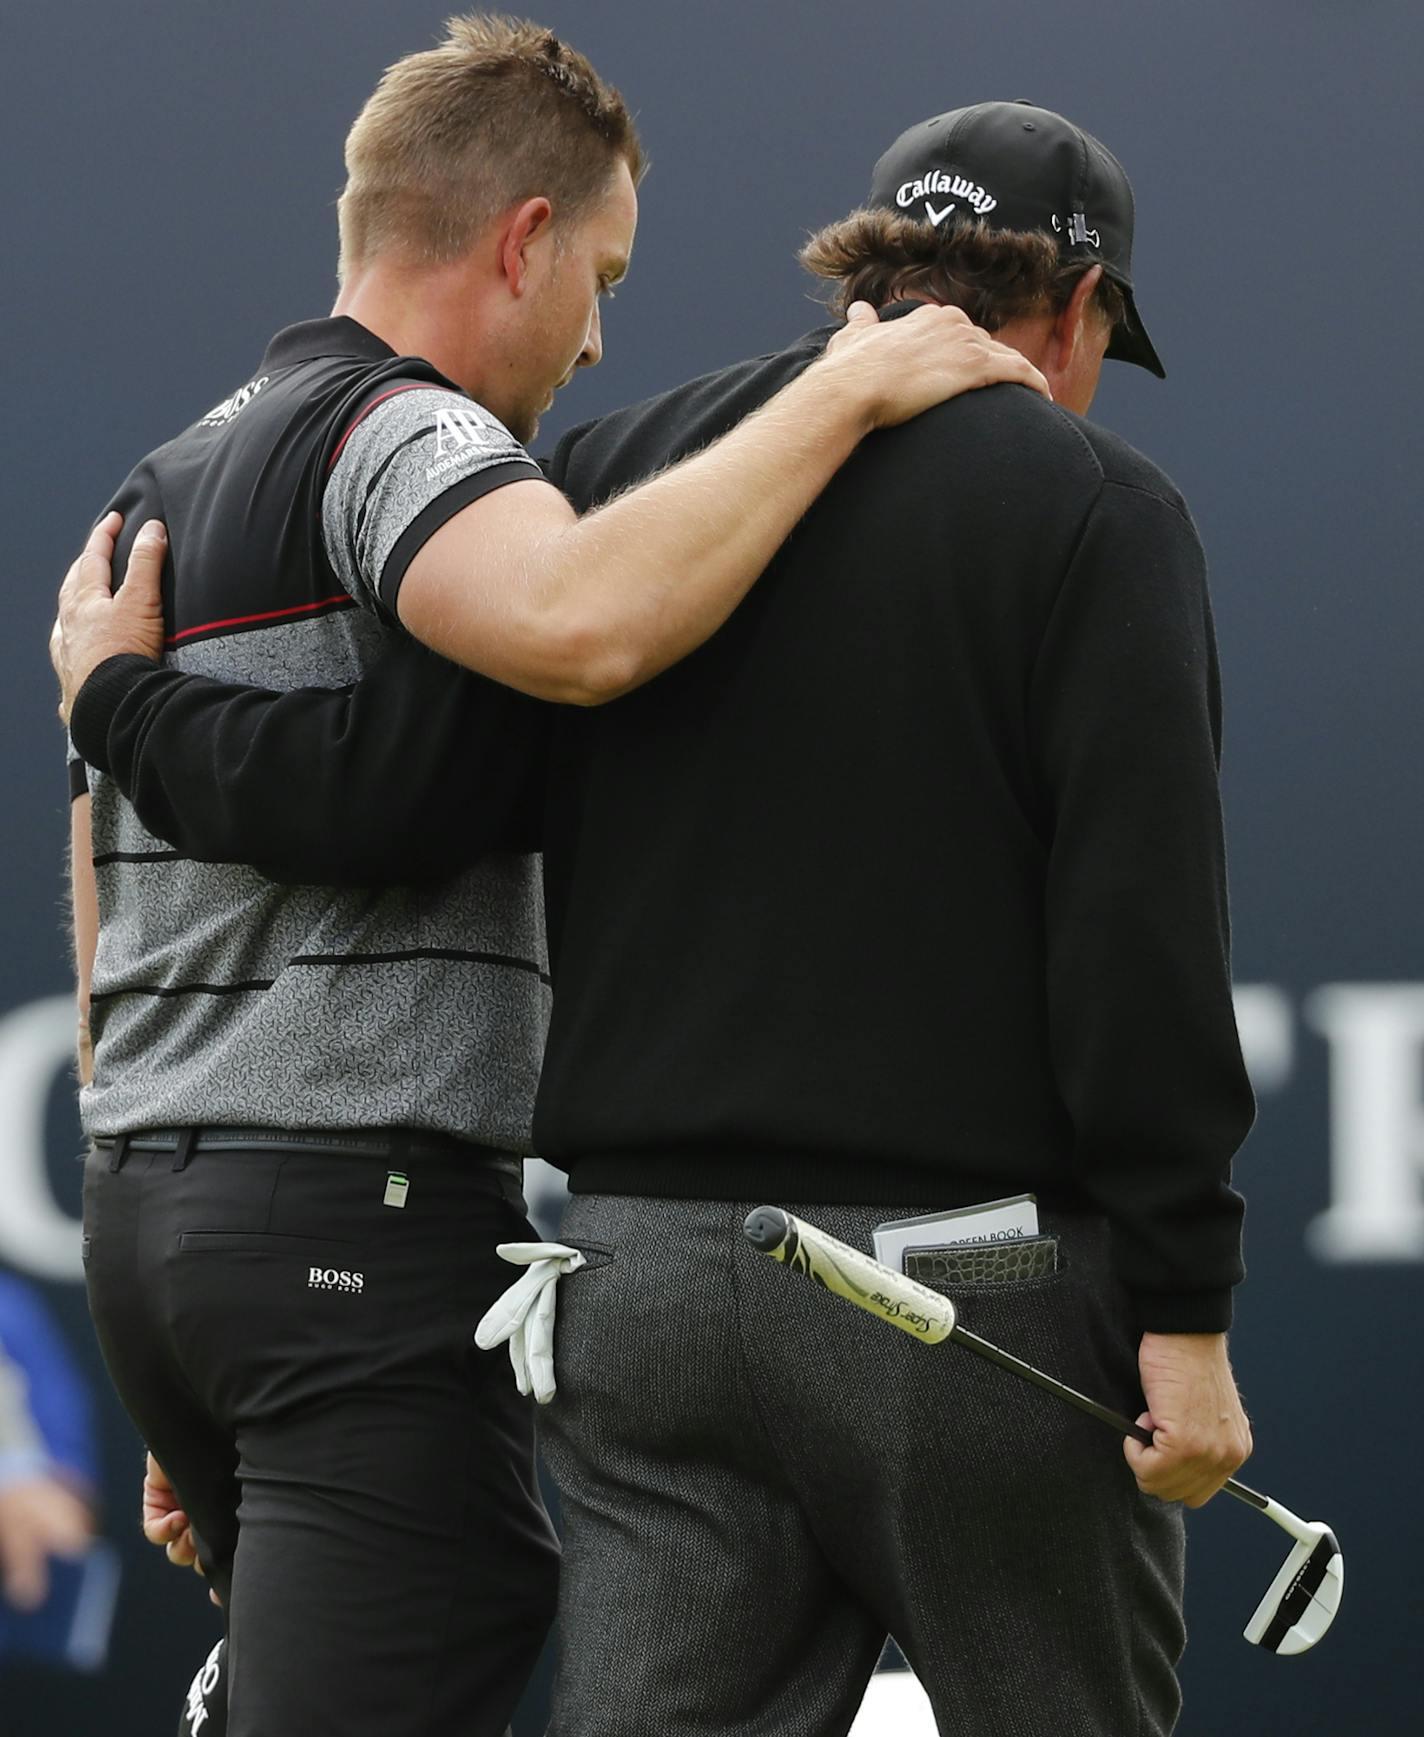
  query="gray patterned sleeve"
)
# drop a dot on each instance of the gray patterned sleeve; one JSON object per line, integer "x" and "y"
{"x": 417, "y": 457}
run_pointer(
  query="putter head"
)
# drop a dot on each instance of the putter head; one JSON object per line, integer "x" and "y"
{"x": 1304, "y": 1596}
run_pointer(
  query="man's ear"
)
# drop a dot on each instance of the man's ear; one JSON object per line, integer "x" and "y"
{"x": 526, "y": 224}
{"x": 1068, "y": 327}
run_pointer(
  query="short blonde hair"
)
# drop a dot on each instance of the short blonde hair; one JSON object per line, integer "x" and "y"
{"x": 501, "y": 110}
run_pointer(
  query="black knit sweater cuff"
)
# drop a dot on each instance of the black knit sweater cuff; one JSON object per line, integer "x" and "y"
{"x": 99, "y": 699}
{"x": 1183, "y": 1312}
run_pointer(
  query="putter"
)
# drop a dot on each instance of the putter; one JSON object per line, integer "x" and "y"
{"x": 1303, "y": 1598}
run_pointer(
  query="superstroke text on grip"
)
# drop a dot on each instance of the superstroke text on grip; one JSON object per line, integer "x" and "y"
{"x": 912, "y": 1307}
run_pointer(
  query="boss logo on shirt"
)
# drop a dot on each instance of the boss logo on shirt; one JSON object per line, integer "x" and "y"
{"x": 332, "y": 1279}
{"x": 229, "y": 407}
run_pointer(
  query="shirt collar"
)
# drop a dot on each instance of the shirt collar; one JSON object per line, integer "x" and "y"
{"x": 338, "y": 336}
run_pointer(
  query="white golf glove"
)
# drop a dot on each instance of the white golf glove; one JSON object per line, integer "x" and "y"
{"x": 524, "y": 1314}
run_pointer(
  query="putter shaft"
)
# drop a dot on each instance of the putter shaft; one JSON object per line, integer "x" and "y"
{"x": 1104, "y": 1414}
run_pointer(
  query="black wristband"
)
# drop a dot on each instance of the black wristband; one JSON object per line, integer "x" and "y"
{"x": 97, "y": 701}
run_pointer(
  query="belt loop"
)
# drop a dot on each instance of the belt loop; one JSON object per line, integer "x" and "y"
{"x": 119, "y": 1153}
{"x": 183, "y": 1153}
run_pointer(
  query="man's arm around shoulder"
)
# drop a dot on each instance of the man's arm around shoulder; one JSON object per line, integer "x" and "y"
{"x": 410, "y": 775}
{"x": 584, "y": 610}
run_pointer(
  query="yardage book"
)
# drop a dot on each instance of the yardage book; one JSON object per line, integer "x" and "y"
{"x": 994, "y": 1221}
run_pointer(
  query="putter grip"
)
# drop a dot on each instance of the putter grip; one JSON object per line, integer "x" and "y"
{"x": 879, "y": 1290}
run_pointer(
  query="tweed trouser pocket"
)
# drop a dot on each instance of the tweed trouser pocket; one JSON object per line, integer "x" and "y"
{"x": 760, "y": 1482}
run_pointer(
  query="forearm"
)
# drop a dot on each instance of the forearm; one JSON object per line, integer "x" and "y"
{"x": 410, "y": 775}
{"x": 652, "y": 575}
{"x": 589, "y": 609}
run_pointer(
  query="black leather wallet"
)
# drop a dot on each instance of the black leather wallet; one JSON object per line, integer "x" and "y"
{"x": 984, "y": 1263}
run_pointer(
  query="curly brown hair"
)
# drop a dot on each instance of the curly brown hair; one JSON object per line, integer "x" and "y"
{"x": 995, "y": 275}
{"x": 501, "y": 110}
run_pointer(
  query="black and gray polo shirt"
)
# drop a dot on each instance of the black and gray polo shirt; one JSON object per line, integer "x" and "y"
{"x": 294, "y": 508}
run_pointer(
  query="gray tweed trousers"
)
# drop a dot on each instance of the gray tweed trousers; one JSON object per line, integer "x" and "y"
{"x": 760, "y": 1482}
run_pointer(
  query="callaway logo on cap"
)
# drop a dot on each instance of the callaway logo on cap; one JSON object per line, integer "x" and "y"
{"x": 1014, "y": 166}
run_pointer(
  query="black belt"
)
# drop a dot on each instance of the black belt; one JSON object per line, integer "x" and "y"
{"x": 402, "y": 1145}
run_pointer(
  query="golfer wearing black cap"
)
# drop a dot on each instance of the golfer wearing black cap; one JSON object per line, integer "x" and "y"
{"x": 901, "y": 898}
{"x": 1047, "y": 175}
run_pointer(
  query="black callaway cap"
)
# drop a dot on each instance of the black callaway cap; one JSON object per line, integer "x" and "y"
{"x": 1019, "y": 167}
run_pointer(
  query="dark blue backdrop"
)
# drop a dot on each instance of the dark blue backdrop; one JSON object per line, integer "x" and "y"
{"x": 172, "y": 167}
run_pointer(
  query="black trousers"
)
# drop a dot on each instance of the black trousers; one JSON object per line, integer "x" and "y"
{"x": 759, "y": 1482}
{"x": 298, "y": 1356}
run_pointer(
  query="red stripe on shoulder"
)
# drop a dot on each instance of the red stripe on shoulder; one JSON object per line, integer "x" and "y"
{"x": 342, "y": 599}
{"x": 412, "y": 386}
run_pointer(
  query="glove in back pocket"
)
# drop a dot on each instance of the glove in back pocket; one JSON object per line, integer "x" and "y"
{"x": 595, "y": 1254}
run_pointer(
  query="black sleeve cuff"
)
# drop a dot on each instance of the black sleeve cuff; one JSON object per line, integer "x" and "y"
{"x": 99, "y": 699}
{"x": 1184, "y": 1312}
{"x": 440, "y": 511}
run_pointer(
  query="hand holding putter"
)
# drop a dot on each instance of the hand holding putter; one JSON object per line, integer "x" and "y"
{"x": 1302, "y": 1600}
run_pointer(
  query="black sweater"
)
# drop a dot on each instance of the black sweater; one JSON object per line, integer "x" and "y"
{"x": 908, "y": 887}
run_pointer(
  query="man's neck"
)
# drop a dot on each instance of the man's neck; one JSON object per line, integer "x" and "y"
{"x": 427, "y": 314}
